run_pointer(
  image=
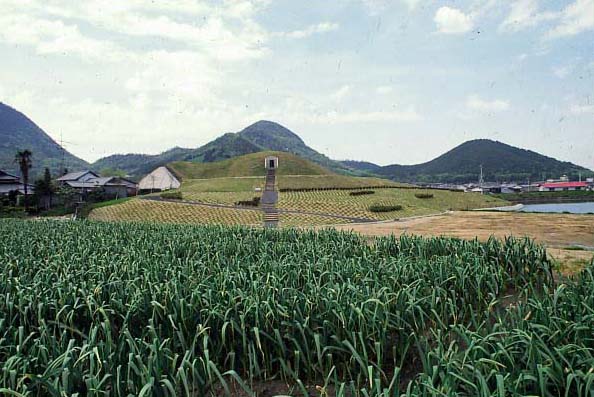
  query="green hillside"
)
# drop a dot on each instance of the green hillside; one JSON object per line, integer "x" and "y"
{"x": 247, "y": 165}
{"x": 500, "y": 162}
{"x": 140, "y": 164}
{"x": 18, "y": 132}
{"x": 224, "y": 147}
{"x": 258, "y": 137}
{"x": 273, "y": 136}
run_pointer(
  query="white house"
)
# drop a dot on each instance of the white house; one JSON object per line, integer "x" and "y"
{"x": 158, "y": 180}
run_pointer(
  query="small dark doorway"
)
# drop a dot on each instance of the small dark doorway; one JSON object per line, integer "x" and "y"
{"x": 271, "y": 164}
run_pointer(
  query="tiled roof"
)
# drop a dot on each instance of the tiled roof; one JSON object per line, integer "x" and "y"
{"x": 73, "y": 176}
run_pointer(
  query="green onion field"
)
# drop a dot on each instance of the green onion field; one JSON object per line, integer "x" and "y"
{"x": 124, "y": 309}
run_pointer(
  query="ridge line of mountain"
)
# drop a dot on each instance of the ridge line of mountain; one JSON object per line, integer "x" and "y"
{"x": 501, "y": 162}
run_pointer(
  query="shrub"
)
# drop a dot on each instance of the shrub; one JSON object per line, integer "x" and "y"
{"x": 424, "y": 195}
{"x": 172, "y": 195}
{"x": 361, "y": 192}
{"x": 12, "y": 212}
{"x": 384, "y": 208}
{"x": 249, "y": 203}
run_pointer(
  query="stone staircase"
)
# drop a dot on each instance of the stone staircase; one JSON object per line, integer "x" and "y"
{"x": 270, "y": 181}
{"x": 271, "y": 216}
{"x": 269, "y": 200}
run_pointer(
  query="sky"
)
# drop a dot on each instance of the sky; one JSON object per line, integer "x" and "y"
{"x": 387, "y": 81}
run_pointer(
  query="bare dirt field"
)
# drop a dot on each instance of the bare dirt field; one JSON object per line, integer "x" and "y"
{"x": 563, "y": 234}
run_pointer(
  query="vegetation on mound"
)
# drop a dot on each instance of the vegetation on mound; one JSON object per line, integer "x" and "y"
{"x": 424, "y": 195}
{"x": 286, "y": 183}
{"x": 139, "y": 210}
{"x": 247, "y": 165}
{"x": 235, "y": 307}
{"x": 324, "y": 203}
{"x": 362, "y": 193}
{"x": 172, "y": 195}
{"x": 342, "y": 203}
{"x": 385, "y": 208}
{"x": 254, "y": 202}
{"x": 290, "y": 183}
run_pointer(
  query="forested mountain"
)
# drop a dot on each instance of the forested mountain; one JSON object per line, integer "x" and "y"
{"x": 500, "y": 163}
{"x": 18, "y": 132}
{"x": 258, "y": 137}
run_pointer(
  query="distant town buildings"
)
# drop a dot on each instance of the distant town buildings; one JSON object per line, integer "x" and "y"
{"x": 551, "y": 185}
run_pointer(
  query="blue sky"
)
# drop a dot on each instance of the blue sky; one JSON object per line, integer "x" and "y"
{"x": 398, "y": 81}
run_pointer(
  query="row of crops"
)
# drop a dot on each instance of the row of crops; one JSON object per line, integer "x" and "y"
{"x": 98, "y": 309}
{"x": 341, "y": 202}
{"x": 166, "y": 212}
{"x": 185, "y": 213}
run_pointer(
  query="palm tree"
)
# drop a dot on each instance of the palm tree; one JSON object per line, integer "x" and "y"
{"x": 24, "y": 160}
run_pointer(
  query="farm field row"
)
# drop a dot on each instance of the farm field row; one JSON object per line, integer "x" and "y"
{"x": 248, "y": 184}
{"x": 139, "y": 210}
{"x": 316, "y": 207}
{"x": 116, "y": 309}
{"x": 340, "y": 202}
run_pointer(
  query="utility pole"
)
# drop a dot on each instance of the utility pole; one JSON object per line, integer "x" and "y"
{"x": 481, "y": 179}
{"x": 63, "y": 154}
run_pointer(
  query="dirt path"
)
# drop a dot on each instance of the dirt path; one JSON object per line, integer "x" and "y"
{"x": 557, "y": 231}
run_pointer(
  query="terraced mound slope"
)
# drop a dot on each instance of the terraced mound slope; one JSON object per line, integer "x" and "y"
{"x": 247, "y": 165}
{"x": 309, "y": 195}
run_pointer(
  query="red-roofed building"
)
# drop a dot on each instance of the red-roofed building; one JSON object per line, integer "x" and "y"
{"x": 563, "y": 186}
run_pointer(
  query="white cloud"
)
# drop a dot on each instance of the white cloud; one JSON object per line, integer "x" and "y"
{"x": 582, "y": 109}
{"x": 296, "y": 110}
{"x": 384, "y": 89}
{"x": 411, "y": 4}
{"x": 181, "y": 74}
{"x": 562, "y": 71}
{"x": 405, "y": 115}
{"x": 575, "y": 18}
{"x": 525, "y": 14}
{"x": 474, "y": 102}
{"x": 170, "y": 85}
{"x": 323, "y": 27}
{"x": 452, "y": 21}
{"x": 55, "y": 37}
{"x": 227, "y": 32}
{"x": 341, "y": 93}
{"x": 376, "y": 7}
